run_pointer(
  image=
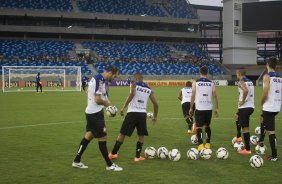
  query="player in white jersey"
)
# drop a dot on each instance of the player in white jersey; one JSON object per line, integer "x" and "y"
{"x": 97, "y": 99}
{"x": 185, "y": 96}
{"x": 271, "y": 104}
{"x": 203, "y": 93}
{"x": 136, "y": 116}
{"x": 245, "y": 107}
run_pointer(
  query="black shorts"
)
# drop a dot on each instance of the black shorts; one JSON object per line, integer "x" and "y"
{"x": 96, "y": 124}
{"x": 244, "y": 116}
{"x": 132, "y": 120}
{"x": 203, "y": 117}
{"x": 269, "y": 120}
{"x": 186, "y": 108}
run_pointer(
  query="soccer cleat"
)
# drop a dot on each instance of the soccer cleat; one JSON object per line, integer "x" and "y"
{"x": 79, "y": 165}
{"x": 271, "y": 158}
{"x": 238, "y": 139}
{"x": 114, "y": 167}
{"x": 139, "y": 159}
{"x": 245, "y": 152}
{"x": 112, "y": 156}
{"x": 208, "y": 145}
{"x": 200, "y": 147}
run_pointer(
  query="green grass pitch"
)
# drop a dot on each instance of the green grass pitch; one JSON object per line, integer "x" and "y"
{"x": 40, "y": 133}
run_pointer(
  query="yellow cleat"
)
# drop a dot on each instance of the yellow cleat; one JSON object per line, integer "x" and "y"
{"x": 200, "y": 147}
{"x": 208, "y": 145}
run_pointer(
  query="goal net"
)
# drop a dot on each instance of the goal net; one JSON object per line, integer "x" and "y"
{"x": 53, "y": 78}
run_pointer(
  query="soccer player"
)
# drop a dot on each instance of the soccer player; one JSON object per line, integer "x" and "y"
{"x": 136, "y": 116}
{"x": 96, "y": 128}
{"x": 38, "y": 82}
{"x": 271, "y": 104}
{"x": 203, "y": 92}
{"x": 245, "y": 107}
{"x": 84, "y": 82}
{"x": 185, "y": 97}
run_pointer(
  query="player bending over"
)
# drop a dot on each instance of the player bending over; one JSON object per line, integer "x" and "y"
{"x": 136, "y": 116}
{"x": 96, "y": 128}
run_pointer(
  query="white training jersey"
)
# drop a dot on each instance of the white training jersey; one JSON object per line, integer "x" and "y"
{"x": 273, "y": 101}
{"x": 96, "y": 86}
{"x": 186, "y": 94}
{"x": 140, "y": 99}
{"x": 203, "y": 98}
{"x": 249, "y": 101}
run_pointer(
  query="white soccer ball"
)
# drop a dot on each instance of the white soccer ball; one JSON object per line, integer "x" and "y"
{"x": 150, "y": 152}
{"x": 254, "y": 140}
{"x": 193, "y": 154}
{"x": 238, "y": 146}
{"x": 261, "y": 150}
{"x": 162, "y": 153}
{"x": 257, "y": 131}
{"x": 256, "y": 161}
{"x": 206, "y": 153}
{"x": 174, "y": 155}
{"x": 222, "y": 153}
{"x": 194, "y": 139}
{"x": 111, "y": 111}
{"x": 150, "y": 115}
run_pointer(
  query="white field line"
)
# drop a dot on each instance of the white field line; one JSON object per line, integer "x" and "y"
{"x": 116, "y": 119}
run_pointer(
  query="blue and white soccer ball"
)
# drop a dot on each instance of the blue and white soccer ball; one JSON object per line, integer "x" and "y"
{"x": 194, "y": 139}
{"x": 257, "y": 130}
{"x": 254, "y": 140}
{"x": 111, "y": 111}
{"x": 150, "y": 152}
{"x": 193, "y": 154}
{"x": 256, "y": 161}
{"x": 261, "y": 150}
{"x": 238, "y": 146}
{"x": 222, "y": 153}
{"x": 162, "y": 152}
{"x": 206, "y": 153}
{"x": 150, "y": 115}
{"x": 174, "y": 155}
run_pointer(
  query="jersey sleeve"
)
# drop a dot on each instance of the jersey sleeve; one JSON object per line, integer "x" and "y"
{"x": 99, "y": 85}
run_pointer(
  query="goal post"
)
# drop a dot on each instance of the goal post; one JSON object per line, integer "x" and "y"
{"x": 53, "y": 78}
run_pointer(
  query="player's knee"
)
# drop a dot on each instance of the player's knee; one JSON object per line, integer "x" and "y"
{"x": 89, "y": 136}
{"x": 271, "y": 132}
{"x": 103, "y": 139}
{"x": 141, "y": 139}
{"x": 121, "y": 138}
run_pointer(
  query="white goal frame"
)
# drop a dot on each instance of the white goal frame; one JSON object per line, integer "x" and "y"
{"x": 63, "y": 71}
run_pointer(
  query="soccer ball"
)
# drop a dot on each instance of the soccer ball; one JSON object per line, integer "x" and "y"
{"x": 256, "y": 161}
{"x": 238, "y": 146}
{"x": 234, "y": 140}
{"x": 222, "y": 153}
{"x": 257, "y": 131}
{"x": 194, "y": 139}
{"x": 162, "y": 153}
{"x": 206, "y": 153}
{"x": 174, "y": 155}
{"x": 150, "y": 152}
{"x": 254, "y": 140}
{"x": 150, "y": 115}
{"x": 111, "y": 111}
{"x": 260, "y": 149}
{"x": 193, "y": 154}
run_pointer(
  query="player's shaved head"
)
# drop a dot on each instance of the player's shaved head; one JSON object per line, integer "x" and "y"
{"x": 272, "y": 62}
{"x": 138, "y": 77}
{"x": 188, "y": 84}
{"x": 204, "y": 70}
{"x": 112, "y": 69}
{"x": 242, "y": 72}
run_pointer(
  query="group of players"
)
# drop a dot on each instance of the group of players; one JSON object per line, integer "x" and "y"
{"x": 198, "y": 97}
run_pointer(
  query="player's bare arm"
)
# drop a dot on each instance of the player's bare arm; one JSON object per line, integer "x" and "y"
{"x": 100, "y": 101}
{"x": 243, "y": 86}
{"x": 129, "y": 98}
{"x": 266, "y": 81}
{"x": 180, "y": 95}
{"x": 156, "y": 108}
{"x": 191, "y": 111}
{"x": 215, "y": 101}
